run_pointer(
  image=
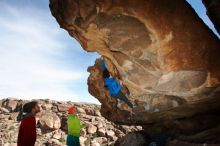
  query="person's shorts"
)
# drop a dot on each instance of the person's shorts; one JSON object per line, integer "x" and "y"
{"x": 72, "y": 140}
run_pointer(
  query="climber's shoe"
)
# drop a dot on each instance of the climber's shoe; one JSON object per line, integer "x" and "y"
{"x": 119, "y": 103}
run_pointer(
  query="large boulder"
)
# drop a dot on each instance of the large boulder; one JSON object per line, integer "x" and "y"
{"x": 80, "y": 110}
{"x": 165, "y": 56}
{"x": 46, "y": 106}
{"x": 10, "y": 104}
{"x": 49, "y": 121}
{"x": 62, "y": 107}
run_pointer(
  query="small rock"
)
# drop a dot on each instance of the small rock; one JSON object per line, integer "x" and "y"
{"x": 1, "y": 142}
{"x": 57, "y": 136}
{"x": 82, "y": 141}
{"x": 62, "y": 108}
{"x": 80, "y": 110}
{"x": 101, "y": 132}
{"x": 83, "y": 132}
{"x": 4, "y": 110}
{"x": 13, "y": 116}
{"x": 91, "y": 129}
{"x": 55, "y": 142}
{"x": 11, "y": 105}
{"x": 100, "y": 140}
{"x": 100, "y": 125}
{"x": 95, "y": 144}
{"x": 89, "y": 111}
{"x": 97, "y": 113}
{"x": 110, "y": 134}
{"x": 54, "y": 109}
{"x": 46, "y": 106}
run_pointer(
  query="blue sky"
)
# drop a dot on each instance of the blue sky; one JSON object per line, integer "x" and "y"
{"x": 40, "y": 60}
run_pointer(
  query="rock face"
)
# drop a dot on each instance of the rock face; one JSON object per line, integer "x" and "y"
{"x": 213, "y": 12}
{"x": 165, "y": 56}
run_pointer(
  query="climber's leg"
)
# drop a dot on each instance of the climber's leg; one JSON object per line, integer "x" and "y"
{"x": 117, "y": 100}
{"x": 106, "y": 73}
{"x": 121, "y": 96}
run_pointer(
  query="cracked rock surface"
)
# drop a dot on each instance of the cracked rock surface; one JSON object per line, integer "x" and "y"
{"x": 162, "y": 52}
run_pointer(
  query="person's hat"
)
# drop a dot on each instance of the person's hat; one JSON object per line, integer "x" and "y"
{"x": 71, "y": 110}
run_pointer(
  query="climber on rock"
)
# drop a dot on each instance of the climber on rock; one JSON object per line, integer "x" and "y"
{"x": 74, "y": 127}
{"x": 113, "y": 86}
{"x": 27, "y": 130}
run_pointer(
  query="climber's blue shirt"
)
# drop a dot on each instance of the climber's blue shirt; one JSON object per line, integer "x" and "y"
{"x": 102, "y": 63}
{"x": 112, "y": 85}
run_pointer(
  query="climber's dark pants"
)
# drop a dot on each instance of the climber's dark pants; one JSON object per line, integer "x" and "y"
{"x": 121, "y": 96}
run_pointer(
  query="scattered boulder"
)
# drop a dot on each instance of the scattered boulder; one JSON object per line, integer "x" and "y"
{"x": 95, "y": 144}
{"x": 111, "y": 134}
{"x": 100, "y": 125}
{"x": 4, "y": 110}
{"x": 97, "y": 113}
{"x": 62, "y": 108}
{"x": 46, "y": 106}
{"x": 101, "y": 132}
{"x": 55, "y": 142}
{"x": 80, "y": 110}
{"x": 82, "y": 141}
{"x": 10, "y": 104}
{"x": 14, "y": 116}
{"x": 57, "y": 136}
{"x": 83, "y": 132}
{"x": 100, "y": 140}
{"x": 89, "y": 111}
{"x": 49, "y": 121}
{"x": 91, "y": 129}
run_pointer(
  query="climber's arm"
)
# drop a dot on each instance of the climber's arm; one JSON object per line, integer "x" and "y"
{"x": 102, "y": 64}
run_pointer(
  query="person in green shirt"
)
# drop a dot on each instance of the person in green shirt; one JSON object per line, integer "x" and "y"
{"x": 74, "y": 127}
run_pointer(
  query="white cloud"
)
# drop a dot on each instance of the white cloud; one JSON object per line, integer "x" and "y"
{"x": 30, "y": 64}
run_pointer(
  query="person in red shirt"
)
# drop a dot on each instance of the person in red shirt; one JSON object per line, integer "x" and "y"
{"x": 27, "y": 130}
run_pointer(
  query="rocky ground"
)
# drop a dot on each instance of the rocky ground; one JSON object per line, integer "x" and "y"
{"x": 51, "y": 125}
{"x": 52, "y": 128}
